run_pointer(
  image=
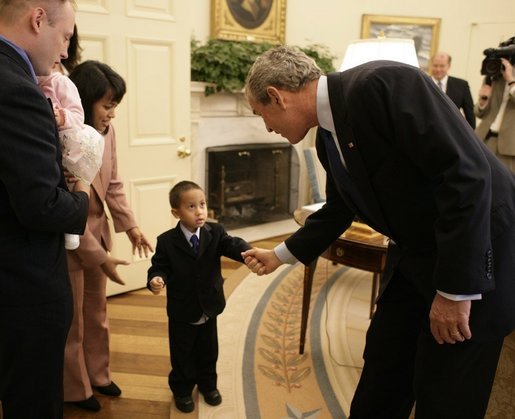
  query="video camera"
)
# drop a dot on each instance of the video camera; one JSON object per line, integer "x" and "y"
{"x": 491, "y": 66}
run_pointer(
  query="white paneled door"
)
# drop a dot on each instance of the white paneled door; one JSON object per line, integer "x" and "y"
{"x": 148, "y": 43}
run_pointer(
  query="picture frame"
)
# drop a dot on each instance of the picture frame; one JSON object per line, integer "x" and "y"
{"x": 425, "y": 32}
{"x": 250, "y": 20}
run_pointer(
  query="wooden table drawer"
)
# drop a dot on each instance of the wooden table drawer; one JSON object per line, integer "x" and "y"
{"x": 356, "y": 256}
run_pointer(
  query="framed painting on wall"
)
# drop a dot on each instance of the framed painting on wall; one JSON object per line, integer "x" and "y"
{"x": 423, "y": 30}
{"x": 251, "y": 20}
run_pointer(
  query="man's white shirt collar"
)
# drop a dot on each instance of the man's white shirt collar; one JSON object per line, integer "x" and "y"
{"x": 324, "y": 115}
{"x": 443, "y": 81}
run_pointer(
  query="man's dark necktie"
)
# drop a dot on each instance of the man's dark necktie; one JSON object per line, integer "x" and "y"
{"x": 342, "y": 177}
{"x": 194, "y": 243}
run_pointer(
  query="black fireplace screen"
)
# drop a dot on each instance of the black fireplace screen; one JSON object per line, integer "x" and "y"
{"x": 251, "y": 184}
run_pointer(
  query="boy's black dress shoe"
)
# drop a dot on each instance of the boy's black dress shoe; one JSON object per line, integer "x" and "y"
{"x": 213, "y": 398}
{"x": 109, "y": 390}
{"x": 184, "y": 404}
{"x": 89, "y": 404}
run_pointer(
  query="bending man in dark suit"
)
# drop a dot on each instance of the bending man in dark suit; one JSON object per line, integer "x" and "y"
{"x": 36, "y": 209}
{"x": 400, "y": 156}
{"x": 457, "y": 89}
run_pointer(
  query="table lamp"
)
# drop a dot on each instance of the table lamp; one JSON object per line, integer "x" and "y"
{"x": 364, "y": 50}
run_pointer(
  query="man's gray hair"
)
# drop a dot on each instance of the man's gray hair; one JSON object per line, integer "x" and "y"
{"x": 282, "y": 67}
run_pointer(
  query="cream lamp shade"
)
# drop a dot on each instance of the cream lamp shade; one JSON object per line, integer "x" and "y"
{"x": 364, "y": 50}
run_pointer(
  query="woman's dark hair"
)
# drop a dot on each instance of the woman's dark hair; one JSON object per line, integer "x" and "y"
{"x": 94, "y": 80}
{"x": 74, "y": 52}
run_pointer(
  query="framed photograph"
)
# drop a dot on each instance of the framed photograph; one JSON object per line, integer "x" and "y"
{"x": 423, "y": 30}
{"x": 251, "y": 20}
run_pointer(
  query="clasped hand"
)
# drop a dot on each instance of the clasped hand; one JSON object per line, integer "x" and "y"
{"x": 261, "y": 261}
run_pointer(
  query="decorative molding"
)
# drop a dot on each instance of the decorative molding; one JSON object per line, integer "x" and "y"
{"x": 151, "y": 9}
{"x": 150, "y": 196}
{"x": 93, "y": 6}
{"x": 148, "y": 60}
{"x": 95, "y": 46}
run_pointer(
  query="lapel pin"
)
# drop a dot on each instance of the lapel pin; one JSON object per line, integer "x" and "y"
{"x": 350, "y": 145}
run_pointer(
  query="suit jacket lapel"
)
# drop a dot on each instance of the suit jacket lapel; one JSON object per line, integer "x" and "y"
{"x": 179, "y": 241}
{"x": 351, "y": 154}
{"x": 205, "y": 239}
{"x": 99, "y": 188}
{"x": 101, "y": 181}
{"x": 182, "y": 243}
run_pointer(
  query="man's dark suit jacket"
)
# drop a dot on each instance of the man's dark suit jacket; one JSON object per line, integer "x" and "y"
{"x": 428, "y": 183}
{"x": 194, "y": 283}
{"x": 36, "y": 208}
{"x": 459, "y": 92}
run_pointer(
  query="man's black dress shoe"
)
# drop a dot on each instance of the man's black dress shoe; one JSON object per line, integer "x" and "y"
{"x": 89, "y": 404}
{"x": 213, "y": 398}
{"x": 184, "y": 404}
{"x": 109, "y": 390}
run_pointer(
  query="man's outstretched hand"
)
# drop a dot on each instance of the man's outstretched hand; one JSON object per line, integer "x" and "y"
{"x": 261, "y": 261}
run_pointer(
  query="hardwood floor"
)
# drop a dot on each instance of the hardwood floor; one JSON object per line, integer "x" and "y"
{"x": 139, "y": 354}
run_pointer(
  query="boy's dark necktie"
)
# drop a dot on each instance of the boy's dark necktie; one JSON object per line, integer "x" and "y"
{"x": 194, "y": 243}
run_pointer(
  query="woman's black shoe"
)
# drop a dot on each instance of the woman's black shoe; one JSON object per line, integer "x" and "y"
{"x": 109, "y": 390}
{"x": 89, "y": 404}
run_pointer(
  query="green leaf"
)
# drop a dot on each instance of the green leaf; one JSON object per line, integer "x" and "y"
{"x": 226, "y": 63}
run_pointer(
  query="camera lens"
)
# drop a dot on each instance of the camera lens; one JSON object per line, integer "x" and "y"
{"x": 493, "y": 66}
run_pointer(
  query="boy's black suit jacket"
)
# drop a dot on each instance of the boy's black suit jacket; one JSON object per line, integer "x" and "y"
{"x": 194, "y": 283}
{"x": 428, "y": 183}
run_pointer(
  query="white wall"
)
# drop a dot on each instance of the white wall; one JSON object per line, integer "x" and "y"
{"x": 467, "y": 26}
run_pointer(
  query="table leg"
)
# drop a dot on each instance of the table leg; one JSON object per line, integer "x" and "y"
{"x": 309, "y": 271}
{"x": 375, "y": 288}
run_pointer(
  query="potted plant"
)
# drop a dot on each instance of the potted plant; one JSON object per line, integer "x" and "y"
{"x": 224, "y": 64}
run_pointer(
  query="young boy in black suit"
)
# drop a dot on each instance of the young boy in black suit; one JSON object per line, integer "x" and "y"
{"x": 187, "y": 262}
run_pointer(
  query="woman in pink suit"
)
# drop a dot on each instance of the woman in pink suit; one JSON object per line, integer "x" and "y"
{"x": 87, "y": 349}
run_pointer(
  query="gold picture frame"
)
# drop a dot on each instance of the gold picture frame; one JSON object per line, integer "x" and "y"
{"x": 423, "y": 30}
{"x": 251, "y": 20}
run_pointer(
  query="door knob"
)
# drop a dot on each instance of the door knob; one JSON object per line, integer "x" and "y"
{"x": 183, "y": 152}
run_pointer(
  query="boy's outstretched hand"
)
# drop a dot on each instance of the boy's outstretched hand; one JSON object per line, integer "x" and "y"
{"x": 261, "y": 261}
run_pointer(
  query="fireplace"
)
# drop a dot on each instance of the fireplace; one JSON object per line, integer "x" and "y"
{"x": 251, "y": 184}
